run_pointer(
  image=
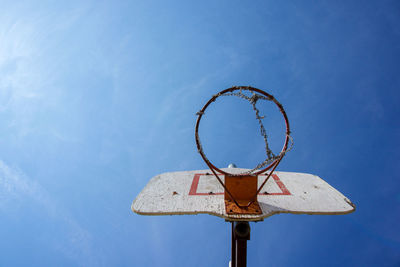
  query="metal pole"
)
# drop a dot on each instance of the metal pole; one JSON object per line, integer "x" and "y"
{"x": 233, "y": 250}
{"x": 240, "y": 235}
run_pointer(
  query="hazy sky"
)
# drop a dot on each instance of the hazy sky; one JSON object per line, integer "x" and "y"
{"x": 97, "y": 97}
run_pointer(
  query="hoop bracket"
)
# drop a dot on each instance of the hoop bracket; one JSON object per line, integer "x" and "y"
{"x": 242, "y": 189}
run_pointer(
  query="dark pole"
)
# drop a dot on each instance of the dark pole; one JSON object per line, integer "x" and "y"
{"x": 233, "y": 258}
{"x": 240, "y": 235}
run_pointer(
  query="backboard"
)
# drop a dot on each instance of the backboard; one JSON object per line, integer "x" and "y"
{"x": 197, "y": 192}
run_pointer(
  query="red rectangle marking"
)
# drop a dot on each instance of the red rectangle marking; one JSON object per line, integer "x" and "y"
{"x": 196, "y": 180}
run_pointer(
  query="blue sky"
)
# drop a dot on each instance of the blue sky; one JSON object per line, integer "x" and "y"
{"x": 97, "y": 97}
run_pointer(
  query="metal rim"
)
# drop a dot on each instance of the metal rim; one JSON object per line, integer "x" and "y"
{"x": 248, "y": 88}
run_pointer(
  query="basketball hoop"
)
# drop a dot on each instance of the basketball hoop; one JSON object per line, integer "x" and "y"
{"x": 238, "y": 199}
{"x": 242, "y": 188}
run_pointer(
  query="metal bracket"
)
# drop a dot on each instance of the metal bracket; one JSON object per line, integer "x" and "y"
{"x": 242, "y": 189}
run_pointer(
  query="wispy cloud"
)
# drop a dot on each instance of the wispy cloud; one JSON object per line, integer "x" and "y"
{"x": 16, "y": 188}
{"x": 31, "y": 62}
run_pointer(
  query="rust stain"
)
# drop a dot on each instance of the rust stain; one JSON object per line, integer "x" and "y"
{"x": 243, "y": 189}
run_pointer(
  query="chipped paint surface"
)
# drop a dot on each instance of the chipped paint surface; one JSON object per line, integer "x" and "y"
{"x": 196, "y": 192}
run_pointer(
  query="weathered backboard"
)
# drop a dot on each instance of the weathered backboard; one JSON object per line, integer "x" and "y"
{"x": 196, "y": 192}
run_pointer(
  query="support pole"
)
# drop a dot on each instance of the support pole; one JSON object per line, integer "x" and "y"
{"x": 233, "y": 250}
{"x": 240, "y": 235}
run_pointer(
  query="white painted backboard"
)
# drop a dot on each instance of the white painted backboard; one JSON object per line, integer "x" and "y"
{"x": 195, "y": 192}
